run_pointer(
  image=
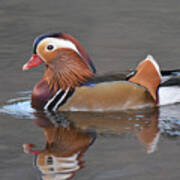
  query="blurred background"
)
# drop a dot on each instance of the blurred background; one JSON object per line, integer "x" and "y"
{"x": 117, "y": 34}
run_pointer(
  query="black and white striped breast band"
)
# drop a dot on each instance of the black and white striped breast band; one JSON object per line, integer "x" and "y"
{"x": 60, "y": 97}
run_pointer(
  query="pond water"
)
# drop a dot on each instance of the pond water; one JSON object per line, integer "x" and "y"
{"x": 126, "y": 145}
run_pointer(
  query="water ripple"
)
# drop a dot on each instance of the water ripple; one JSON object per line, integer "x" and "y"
{"x": 19, "y": 107}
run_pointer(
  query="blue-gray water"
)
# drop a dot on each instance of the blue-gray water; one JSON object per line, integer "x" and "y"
{"x": 129, "y": 145}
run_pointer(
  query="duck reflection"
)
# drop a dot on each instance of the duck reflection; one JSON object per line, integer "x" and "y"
{"x": 149, "y": 134}
{"x": 143, "y": 123}
{"x": 65, "y": 145}
{"x": 67, "y": 137}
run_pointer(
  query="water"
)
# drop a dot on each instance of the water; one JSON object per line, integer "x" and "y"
{"x": 142, "y": 144}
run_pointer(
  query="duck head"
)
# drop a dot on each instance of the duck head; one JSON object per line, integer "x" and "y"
{"x": 67, "y": 62}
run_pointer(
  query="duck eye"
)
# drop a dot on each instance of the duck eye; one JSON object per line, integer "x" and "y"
{"x": 50, "y": 47}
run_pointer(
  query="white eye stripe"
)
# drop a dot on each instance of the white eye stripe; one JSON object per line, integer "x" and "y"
{"x": 59, "y": 43}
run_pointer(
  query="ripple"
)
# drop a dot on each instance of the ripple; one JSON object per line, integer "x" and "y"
{"x": 19, "y": 107}
{"x": 169, "y": 120}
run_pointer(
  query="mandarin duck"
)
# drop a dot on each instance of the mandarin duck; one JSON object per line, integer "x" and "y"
{"x": 68, "y": 82}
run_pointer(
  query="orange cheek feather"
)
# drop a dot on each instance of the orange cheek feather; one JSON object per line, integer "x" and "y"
{"x": 47, "y": 56}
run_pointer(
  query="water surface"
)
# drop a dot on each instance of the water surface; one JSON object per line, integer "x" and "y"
{"x": 140, "y": 144}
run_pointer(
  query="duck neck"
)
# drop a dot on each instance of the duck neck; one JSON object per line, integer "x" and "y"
{"x": 67, "y": 77}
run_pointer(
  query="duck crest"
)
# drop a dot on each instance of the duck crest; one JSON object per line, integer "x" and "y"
{"x": 43, "y": 36}
{"x": 82, "y": 51}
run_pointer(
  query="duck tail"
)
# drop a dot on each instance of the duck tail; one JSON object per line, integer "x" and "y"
{"x": 170, "y": 88}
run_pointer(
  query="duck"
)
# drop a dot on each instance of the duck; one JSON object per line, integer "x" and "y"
{"x": 70, "y": 82}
